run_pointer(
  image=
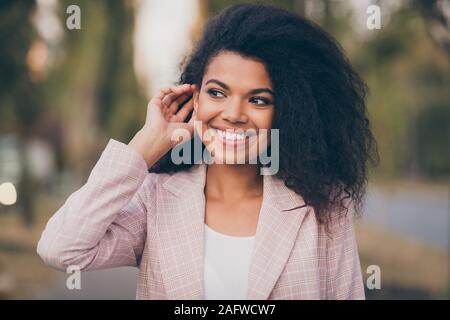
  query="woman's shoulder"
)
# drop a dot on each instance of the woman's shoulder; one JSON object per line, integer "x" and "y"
{"x": 160, "y": 178}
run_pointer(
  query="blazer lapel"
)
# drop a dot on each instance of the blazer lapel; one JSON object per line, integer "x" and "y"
{"x": 180, "y": 227}
{"x": 180, "y": 231}
{"x": 280, "y": 218}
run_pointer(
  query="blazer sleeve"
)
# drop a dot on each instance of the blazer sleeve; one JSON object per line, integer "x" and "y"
{"x": 344, "y": 269}
{"x": 102, "y": 224}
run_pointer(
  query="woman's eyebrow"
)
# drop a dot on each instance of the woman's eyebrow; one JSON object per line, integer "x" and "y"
{"x": 220, "y": 83}
{"x": 226, "y": 87}
{"x": 260, "y": 90}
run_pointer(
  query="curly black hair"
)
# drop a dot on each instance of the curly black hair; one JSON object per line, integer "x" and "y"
{"x": 324, "y": 136}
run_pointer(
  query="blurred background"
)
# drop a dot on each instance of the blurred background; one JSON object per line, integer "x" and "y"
{"x": 64, "y": 93}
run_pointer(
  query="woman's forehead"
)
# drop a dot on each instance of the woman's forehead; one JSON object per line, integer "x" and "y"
{"x": 236, "y": 70}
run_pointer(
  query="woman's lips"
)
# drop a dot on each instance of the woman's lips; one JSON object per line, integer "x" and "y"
{"x": 228, "y": 137}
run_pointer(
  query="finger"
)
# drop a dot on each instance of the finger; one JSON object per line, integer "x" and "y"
{"x": 158, "y": 98}
{"x": 160, "y": 95}
{"x": 175, "y": 92}
{"x": 166, "y": 90}
{"x": 168, "y": 99}
{"x": 168, "y": 95}
{"x": 173, "y": 108}
{"x": 184, "y": 111}
{"x": 163, "y": 93}
{"x": 184, "y": 91}
{"x": 181, "y": 88}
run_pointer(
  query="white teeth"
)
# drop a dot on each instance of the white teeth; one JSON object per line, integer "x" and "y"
{"x": 230, "y": 136}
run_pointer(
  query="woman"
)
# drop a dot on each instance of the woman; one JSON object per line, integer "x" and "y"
{"x": 220, "y": 229}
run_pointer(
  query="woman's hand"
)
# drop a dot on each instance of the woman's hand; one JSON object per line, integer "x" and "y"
{"x": 155, "y": 138}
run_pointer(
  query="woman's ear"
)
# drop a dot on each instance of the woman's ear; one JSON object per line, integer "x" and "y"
{"x": 195, "y": 98}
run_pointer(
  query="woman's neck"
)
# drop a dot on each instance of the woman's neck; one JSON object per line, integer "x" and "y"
{"x": 233, "y": 182}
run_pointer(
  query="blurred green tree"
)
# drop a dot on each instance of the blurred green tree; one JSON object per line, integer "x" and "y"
{"x": 407, "y": 74}
{"x": 96, "y": 89}
{"x": 21, "y": 99}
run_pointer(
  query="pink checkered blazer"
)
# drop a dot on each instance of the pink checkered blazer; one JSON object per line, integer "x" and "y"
{"x": 125, "y": 216}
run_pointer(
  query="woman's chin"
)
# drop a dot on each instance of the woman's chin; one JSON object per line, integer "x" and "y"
{"x": 247, "y": 154}
{"x": 221, "y": 159}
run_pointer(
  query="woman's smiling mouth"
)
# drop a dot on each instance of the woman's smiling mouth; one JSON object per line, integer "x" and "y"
{"x": 232, "y": 136}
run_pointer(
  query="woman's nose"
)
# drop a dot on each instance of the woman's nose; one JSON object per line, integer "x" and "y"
{"x": 235, "y": 112}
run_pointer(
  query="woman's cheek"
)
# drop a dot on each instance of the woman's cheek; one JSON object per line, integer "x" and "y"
{"x": 202, "y": 108}
{"x": 207, "y": 110}
{"x": 204, "y": 115}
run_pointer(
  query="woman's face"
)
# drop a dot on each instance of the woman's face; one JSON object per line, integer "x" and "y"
{"x": 234, "y": 103}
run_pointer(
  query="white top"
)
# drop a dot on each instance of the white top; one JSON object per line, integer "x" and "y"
{"x": 227, "y": 263}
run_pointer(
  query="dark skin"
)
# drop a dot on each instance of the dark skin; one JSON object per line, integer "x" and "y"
{"x": 236, "y": 94}
{"x": 241, "y": 98}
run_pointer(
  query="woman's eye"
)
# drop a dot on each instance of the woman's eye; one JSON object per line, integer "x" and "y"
{"x": 215, "y": 93}
{"x": 260, "y": 101}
